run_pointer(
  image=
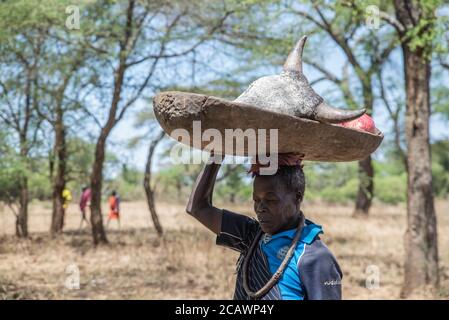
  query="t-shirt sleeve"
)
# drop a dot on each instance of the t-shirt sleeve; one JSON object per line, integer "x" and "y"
{"x": 237, "y": 231}
{"x": 320, "y": 273}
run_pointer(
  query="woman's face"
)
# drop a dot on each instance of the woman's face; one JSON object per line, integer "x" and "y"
{"x": 276, "y": 207}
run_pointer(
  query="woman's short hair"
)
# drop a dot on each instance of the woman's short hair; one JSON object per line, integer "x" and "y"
{"x": 293, "y": 177}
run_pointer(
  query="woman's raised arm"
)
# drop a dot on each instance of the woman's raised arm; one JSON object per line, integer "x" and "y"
{"x": 200, "y": 201}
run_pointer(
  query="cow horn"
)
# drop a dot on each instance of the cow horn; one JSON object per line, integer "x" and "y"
{"x": 326, "y": 113}
{"x": 294, "y": 59}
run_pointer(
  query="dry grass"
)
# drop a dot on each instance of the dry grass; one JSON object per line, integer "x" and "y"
{"x": 186, "y": 263}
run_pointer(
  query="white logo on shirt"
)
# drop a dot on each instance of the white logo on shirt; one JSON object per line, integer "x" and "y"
{"x": 332, "y": 283}
{"x": 282, "y": 252}
{"x": 266, "y": 238}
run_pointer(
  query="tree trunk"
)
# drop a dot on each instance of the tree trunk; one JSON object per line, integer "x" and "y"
{"x": 366, "y": 172}
{"x": 96, "y": 182}
{"x": 96, "y": 178}
{"x": 178, "y": 190}
{"x": 421, "y": 245}
{"x": 366, "y": 188}
{"x": 22, "y": 217}
{"x": 421, "y": 249}
{"x": 57, "y": 221}
{"x": 147, "y": 185}
{"x": 51, "y": 166}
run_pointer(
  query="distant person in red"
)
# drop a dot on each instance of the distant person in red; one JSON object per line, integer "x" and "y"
{"x": 84, "y": 204}
{"x": 114, "y": 208}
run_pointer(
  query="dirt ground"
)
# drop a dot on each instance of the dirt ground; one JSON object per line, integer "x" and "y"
{"x": 186, "y": 263}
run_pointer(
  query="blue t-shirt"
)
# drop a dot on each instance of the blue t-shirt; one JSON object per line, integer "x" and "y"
{"x": 275, "y": 248}
{"x": 312, "y": 273}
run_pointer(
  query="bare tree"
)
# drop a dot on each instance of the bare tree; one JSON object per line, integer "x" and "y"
{"x": 149, "y": 188}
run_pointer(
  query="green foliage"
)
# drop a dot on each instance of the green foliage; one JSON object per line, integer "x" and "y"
{"x": 332, "y": 182}
{"x": 128, "y": 185}
{"x": 81, "y": 156}
{"x": 234, "y": 187}
{"x": 12, "y": 169}
{"x": 344, "y": 194}
{"x": 338, "y": 183}
{"x": 440, "y": 168}
{"x": 175, "y": 181}
{"x": 9, "y": 180}
{"x": 17, "y": 15}
{"x": 39, "y": 184}
{"x": 391, "y": 189}
{"x": 259, "y": 33}
{"x": 422, "y": 36}
{"x": 440, "y": 99}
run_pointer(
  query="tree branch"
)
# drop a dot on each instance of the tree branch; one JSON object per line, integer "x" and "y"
{"x": 394, "y": 115}
{"x": 182, "y": 53}
{"x": 392, "y": 21}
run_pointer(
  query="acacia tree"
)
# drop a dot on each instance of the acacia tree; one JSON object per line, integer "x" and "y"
{"x": 60, "y": 154}
{"x": 130, "y": 48}
{"x": 415, "y": 25}
{"x": 19, "y": 95}
{"x": 9, "y": 174}
{"x": 34, "y": 86}
{"x": 63, "y": 62}
{"x": 147, "y": 184}
{"x": 415, "y": 28}
{"x": 333, "y": 23}
{"x": 346, "y": 27}
{"x": 148, "y": 120}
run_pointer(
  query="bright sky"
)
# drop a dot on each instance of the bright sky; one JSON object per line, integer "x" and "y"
{"x": 125, "y": 129}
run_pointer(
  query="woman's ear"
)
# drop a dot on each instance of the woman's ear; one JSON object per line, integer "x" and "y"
{"x": 299, "y": 197}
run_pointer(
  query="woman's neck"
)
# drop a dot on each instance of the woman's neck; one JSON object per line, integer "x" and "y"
{"x": 293, "y": 224}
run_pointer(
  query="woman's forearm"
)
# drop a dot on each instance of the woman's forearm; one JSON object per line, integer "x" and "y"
{"x": 200, "y": 202}
{"x": 203, "y": 189}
